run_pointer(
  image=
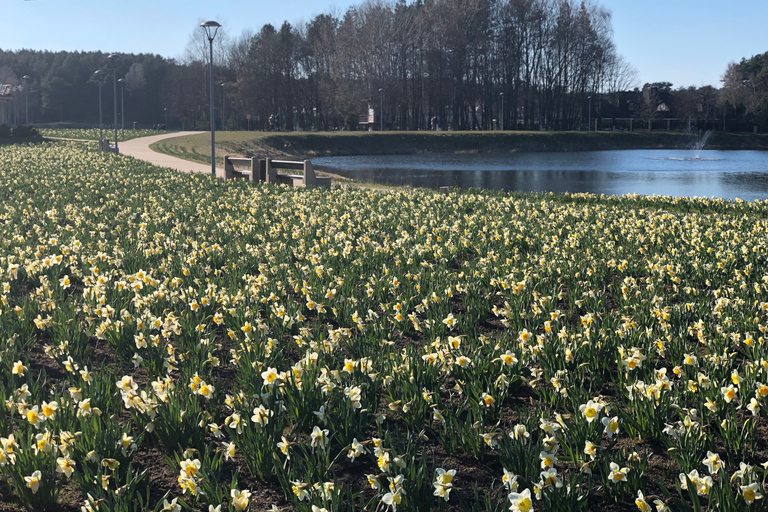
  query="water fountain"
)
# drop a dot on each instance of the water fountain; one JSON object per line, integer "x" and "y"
{"x": 698, "y": 143}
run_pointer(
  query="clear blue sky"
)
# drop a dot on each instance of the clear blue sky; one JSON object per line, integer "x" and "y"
{"x": 686, "y": 42}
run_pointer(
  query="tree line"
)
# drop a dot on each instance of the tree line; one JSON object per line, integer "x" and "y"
{"x": 420, "y": 64}
{"x": 461, "y": 64}
{"x": 744, "y": 94}
{"x": 63, "y": 88}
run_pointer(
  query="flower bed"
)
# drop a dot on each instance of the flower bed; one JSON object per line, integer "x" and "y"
{"x": 93, "y": 133}
{"x": 169, "y": 338}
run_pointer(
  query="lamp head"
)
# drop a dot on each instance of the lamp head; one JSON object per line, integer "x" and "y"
{"x": 211, "y": 28}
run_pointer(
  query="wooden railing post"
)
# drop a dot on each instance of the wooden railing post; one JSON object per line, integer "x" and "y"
{"x": 309, "y": 174}
{"x": 271, "y": 174}
{"x": 229, "y": 170}
{"x": 263, "y": 171}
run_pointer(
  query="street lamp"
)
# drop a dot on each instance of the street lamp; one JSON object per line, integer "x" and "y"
{"x": 381, "y": 108}
{"x": 501, "y": 95}
{"x": 590, "y": 112}
{"x": 98, "y": 73}
{"x": 122, "y": 103}
{"x": 113, "y": 59}
{"x": 165, "y": 111}
{"x": 211, "y": 28}
{"x": 25, "y": 78}
{"x": 223, "y": 116}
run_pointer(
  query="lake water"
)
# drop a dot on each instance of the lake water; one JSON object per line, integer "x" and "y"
{"x": 724, "y": 174}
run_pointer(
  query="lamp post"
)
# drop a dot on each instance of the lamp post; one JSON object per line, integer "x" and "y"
{"x": 590, "y": 112}
{"x": 211, "y": 28}
{"x": 501, "y": 95}
{"x": 122, "y": 103}
{"x": 113, "y": 59}
{"x": 25, "y": 78}
{"x": 98, "y": 73}
{"x": 381, "y": 108}
{"x": 165, "y": 111}
{"x": 223, "y": 115}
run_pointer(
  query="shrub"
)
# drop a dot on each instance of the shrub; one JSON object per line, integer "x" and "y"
{"x": 24, "y": 132}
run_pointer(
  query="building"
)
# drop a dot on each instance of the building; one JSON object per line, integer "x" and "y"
{"x": 9, "y": 109}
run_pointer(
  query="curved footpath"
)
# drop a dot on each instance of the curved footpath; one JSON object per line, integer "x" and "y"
{"x": 139, "y": 149}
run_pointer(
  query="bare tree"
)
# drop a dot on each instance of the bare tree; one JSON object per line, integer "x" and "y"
{"x": 197, "y": 48}
{"x": 134, "y": 78}
{"x": 431, "y": 59}
{"x": 621, "y": 76}
{"x": 739, "y": 90}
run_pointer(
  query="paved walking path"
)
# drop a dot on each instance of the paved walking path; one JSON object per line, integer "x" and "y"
{"x": 139, "y": 148}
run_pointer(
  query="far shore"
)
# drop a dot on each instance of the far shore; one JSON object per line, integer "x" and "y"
{"x": 304, "y": 145}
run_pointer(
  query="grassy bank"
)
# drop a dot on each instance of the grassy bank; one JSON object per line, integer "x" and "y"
{"x": 300, "y": 144}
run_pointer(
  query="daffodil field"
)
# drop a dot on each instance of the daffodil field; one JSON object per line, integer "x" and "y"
{"x": 93, "y": 133}
{"x": 172, "y": 341}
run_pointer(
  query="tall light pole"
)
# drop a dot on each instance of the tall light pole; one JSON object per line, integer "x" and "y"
{"x": 113, "y": 59}
{"x": 98, "y": 73}
{"x": 223, "y": 116}
{"x": 165, "y": 111}
{"x": 26, "y": 79}
{"x": 122, "y": 103}
{"x": 381, "y": 108}
{"x": 501, "y": 95}
{"x": 590, "y": 112}
{"x": 211, "y": 28}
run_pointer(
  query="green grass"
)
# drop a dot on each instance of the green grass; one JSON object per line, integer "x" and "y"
{"x": 308, "y": 145}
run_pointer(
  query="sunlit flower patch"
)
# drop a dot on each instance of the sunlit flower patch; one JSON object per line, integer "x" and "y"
{"x": 341, "y": 349}
{"x": 93, "y": 133}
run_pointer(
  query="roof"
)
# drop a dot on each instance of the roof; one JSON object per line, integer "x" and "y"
{"x": 6, "y": 90}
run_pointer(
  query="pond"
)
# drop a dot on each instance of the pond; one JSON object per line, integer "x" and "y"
{"x": 723, "y": 174}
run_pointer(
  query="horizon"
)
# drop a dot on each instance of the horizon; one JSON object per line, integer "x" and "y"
{"x": 687, "y": 43}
